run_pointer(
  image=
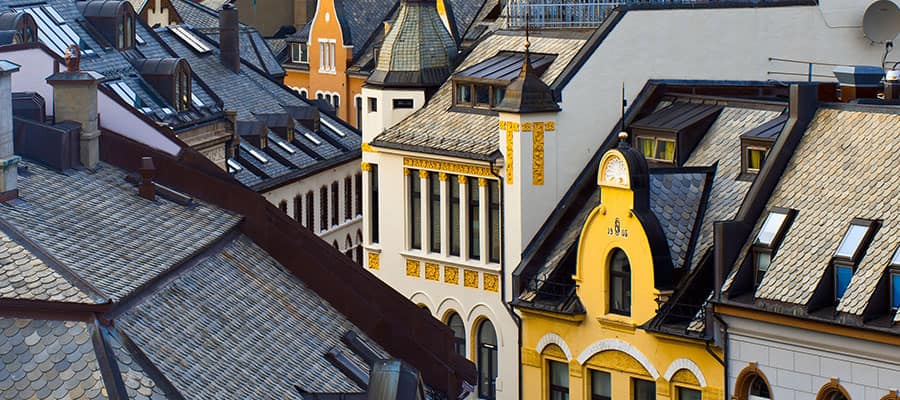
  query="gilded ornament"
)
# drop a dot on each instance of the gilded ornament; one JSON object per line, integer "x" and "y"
{"x": 373, "y": 260}
{"x": 462, "y": 179}
{"x": 482, "y": 182}
{"x": 442, "y": 176}
{"x": 537, "y": 161}
{"x": 366, "y": 147}
{"x": 490, "y": 282}
{"x": 526, "y": 127}
{"x": 412, "y": 268}
{"x": 550, "y": 126}
{"x": 509, "y": 156}
{"x": 365, "y": 166}
{"x": 446, "y": 166}
{"x": 432, "y": 272}
{"x": 406, "y": 171}
{"x": 470, "y": 279}
{"x": 423, "y": 174}
{"x": 451, "y": 275}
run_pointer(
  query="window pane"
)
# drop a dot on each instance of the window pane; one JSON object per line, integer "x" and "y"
{"x": 842, "y": 276}
{"x": 348, "y": 193}
{"x": 601, "y": 388}
{"x": 770, "y": 228}
{"x": 689, "y": 394}
{"x": 494, "y": 221}
{"x": 434, "y": 211}
{"x": 499, "y": 94}
{"x": 323, "y": 208}
{"x": 559, "y": 381}
{"x": 619, "y": 284}
{"x": 464, "y": 94}
{"x": 459, "y": 333}
{"x": 335, "y": 204}
{"x": 763, "y": 260}
{"x": 357, "y": 195}
{"x": 895, "y": 260}
{"x": 487, "y": 360}
{"x": 474, "y": 219}
{"x": 482, "y": 95}
{"x": 310, "y": 213}
{"x": 453, "y": 213}
{"x": 374, "y": 212}
{"x": 415, "y": 210}
{"x": 851, "y": 241}
{"x": 665, "y": 150}
{"x": 643, "y": 390}
{"x": 895, "y": 290}
{"x": 755, "y": 158}
{"x": 646, "y": 147}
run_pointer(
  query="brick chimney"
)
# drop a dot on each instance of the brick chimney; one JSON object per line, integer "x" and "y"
{"x": 229, "y": 40}
{"x": 9, "y": 175}
{"x": 75, "y": 99}
{"x": 146, "y": 187}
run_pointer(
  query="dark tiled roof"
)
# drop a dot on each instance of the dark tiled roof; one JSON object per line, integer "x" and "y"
{"x": 464, "y": 13}
{"x": 98, "y": 227}
{"x": 138, "y": 383}
{"x": 217, "y": 328}
{"x": 768, "y": 131}
{"x": 25, "y": 276}
{"x": 435, "y": 129}
{"x": 675, "y": 199}
{"x": 676, "y": 116}
{"x": 48, "y": 359}
{"x": 360, "y": 18}
{"x": 828, "y": 191}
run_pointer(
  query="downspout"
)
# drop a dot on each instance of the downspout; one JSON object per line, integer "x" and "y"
{"x": 724, "y": 350}
{"x": 503, "y": 283}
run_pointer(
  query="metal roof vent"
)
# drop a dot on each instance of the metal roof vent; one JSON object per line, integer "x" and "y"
{"x": 395, "y": 380}
{"x": 859, "y": 81}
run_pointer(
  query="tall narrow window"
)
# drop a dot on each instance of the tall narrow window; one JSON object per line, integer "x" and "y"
{"x": 348, "y": 247}
{"x": 359, "y": 248}
{"x": 373, "y": 203}
{"x": 310, "y": 211}
{"x": 848, "y": 253}
{"x": 455, "y": 322}
{"x": 359, "y": 113}
{"x": 770, "y": 234}
{"x": 559, "y": 380}
{"x": 487, "y": 360}
{"x": 474, "y": 219}
{"x": 494, "y": 221}
{"x": 298, "y": 215}
{"x": 434, "y": 212}
{"x": 348, "y": 193}
{"x": 601, "y": 386}
{"x": 323, "y": 208}
{"x": 357, "y": 195}
{"x": 282, "y": 205}
{"x": 619, "y": 284}
{"x": 415, "y": 209}
{"x": 335, "y": 205}
{"x": 643, "y": 390}
{"x": 895, "y": 280}
{"x": 453, "y": 214}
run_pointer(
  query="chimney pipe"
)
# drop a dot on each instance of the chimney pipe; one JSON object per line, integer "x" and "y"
{"x": 892, "y": 85}
{"x": 9, "y": 173}
{"x": 75, "y": 99}
{"x": 146, "y": 188}
{"x": 229, "y": 40}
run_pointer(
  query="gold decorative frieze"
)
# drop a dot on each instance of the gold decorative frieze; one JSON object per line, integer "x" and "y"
{"x": 423, "y": 174}
{"x": 432, "y": 272}
{"x": 446, "y": 166}
{"x": 373, "y": 260}
{"x": 442, "y": 176}
{"x": 491, "y": 282}
{"x": 509, "y": 156}
{"x": 366, "y": 147}
{"x": 412, "y": 268}
{"x": 526, "y": 126}
{"x": 406, "y": 171}
{"x": 365, "y": 166}
{"x": 549, "y": 125}
{"x": 537, "y": 153}
{"x": 509, "y": 126}
{"x": 482, "y": 182}
{"x": 470, "y": 279}
{"x": 451, "y": 275}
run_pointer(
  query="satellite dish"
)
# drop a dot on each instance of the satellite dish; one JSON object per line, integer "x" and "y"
{"x": 881, "y": 22}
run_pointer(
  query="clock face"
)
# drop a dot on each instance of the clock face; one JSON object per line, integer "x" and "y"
{"x": 616, "y": 172}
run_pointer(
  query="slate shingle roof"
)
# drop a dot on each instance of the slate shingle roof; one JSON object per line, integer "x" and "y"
{"x": 224, "y": 313}
{"x": 675, "y": 199}
{"x": 435, "y": 129}
{"x": 25, "y": 276}
{"x": 360, "y": 18}
{"x": 845, "y": 167}
{"x": 48, "y": 359}
{"x": 95, "y": 224}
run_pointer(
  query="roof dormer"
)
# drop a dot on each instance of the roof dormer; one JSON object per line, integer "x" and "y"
{"x": 668, "y": 136}
{"x": 483, "y": 85}
{"x": 17, "y": 27}
{"x": 171, "y": 77}
{"x": 113, "y": 19}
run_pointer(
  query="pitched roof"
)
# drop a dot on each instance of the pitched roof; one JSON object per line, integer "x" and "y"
{"x": 360, "y": 18}
{"x": 434, "y": 129}
{"x": 676, "y": 198}
{"x": 835, "y": 175}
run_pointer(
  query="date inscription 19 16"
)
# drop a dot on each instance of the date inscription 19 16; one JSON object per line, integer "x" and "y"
{"x": 617, "y": 230}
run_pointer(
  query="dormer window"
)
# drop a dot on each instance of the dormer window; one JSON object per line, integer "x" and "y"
{"x": 657, "y": 149}
{"x": 895, "y": 280}
{"x": 754, "y": 157}
{"x": 767, "y": 240}
{"x": 125, "y": 32}
{"x": 171, "y": 77}
{"x": 668, "y": 136}
{"x": 24, "y": 25}
{"x": 848, "y": 253}
{"x": 756, "y": 143}
{"x": 483, "y": 85}
{"x": 114, "y": 20}
{"x": 469, "y": 94}
{"x": 299, "y": 54}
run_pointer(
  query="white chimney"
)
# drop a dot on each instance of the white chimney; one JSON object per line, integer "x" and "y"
{"x": 9, "y": 178}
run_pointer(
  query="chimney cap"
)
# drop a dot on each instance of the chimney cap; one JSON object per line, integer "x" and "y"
{"x": 8, "y": 67}
{"x": 859, "y": 75}
{"x": 80, "y": 76}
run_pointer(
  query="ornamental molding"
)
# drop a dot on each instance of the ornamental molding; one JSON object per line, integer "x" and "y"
{"x": 447, "y": 166}
{"x": 552, "y": 338}
{"x": 686, "y": 364}
{"x": 619, "y": 345}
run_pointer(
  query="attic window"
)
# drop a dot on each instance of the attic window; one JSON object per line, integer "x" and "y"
{"x": 895, "y": 279}
{"x": 256, "y": 154}
{"x": 767, "y": 240}
{"x": 183, "y": 96}
{"x": 125, "y": 30}
{"x": 847, "y": 255}
{"x": 657, "y": 149}
{"x": 754, "y": 156}
{"x": 190, "y": 39}
{"x": 299, "y": 53}
{"x": 470, "y": 94}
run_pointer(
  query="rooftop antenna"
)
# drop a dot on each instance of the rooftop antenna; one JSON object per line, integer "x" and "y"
{"x": 624, "y": 104}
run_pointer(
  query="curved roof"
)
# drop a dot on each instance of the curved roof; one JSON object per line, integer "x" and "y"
{"x": 159, "y": 66}
{"x": 103, "y": 8}
{"x": 418, "y": 50}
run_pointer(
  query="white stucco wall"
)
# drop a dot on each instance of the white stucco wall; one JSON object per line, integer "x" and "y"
{"x": 387, "y": 116}
{"x": 798, "y": 362}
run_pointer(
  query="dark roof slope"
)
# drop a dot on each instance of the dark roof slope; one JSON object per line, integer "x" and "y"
{"x": 360, "y": 18}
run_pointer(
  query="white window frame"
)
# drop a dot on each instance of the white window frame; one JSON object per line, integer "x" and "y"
{"x": 299, "y": 50}
{"x": 326, "y": 56}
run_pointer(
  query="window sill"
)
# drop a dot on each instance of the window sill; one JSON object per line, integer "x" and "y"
{"x": 328, "y": 72}
{"x": 343, "y": 224}
{"x": 616, "y": 323}
{"x": 450, "y": 260}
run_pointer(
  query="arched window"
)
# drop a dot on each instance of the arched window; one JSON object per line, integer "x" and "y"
{"x": 619, "y": 283}
{"x": 304, "y": 93}
{"x": 359, "y": 248}
{"x": 183, "y": 86}
{"x": 298, "y": 202}
{"x": 335, "y": 245}
{"x": 283, "y": 206}
{"x": 459, "y": 333}
{"x": 833, "y": 391}
{"x": 751, "y": 384}
{"x": 487, "y": 360}
{"x": 348, "y": 249}
{"x": 425, "y": 308}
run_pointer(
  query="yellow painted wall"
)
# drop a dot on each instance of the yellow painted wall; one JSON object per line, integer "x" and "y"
{"x": 609, "y": 342}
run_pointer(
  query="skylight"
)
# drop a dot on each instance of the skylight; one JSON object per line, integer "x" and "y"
{"x": 190, "y": 39}
{"x": 852, "y": 239}
{"x": 196, "y": 101}
{"x": 125, "y": 92}
{"x": 895, "y": 260}
{"x": 257, "y": 155}
{"x": 138, "y": 39}
{"x": 332, "y": 127}
{"x": 771, "y": 227}
{"x": 286, "y": 147}
{"x": 54, "y": 32}
{"x": 312, "y": 139}
{"x": 234, "y": 166}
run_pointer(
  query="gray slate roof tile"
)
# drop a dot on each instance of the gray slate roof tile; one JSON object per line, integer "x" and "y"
{"x": 25, "y": 276}
{"x": 104, "y": 232}
{"x": 217, "y": 328}
{"x": 675, "y": 199}
{"x": 435, "y": 129}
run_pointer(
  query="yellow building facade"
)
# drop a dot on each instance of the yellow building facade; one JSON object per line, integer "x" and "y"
{"x": 605, "y": 351}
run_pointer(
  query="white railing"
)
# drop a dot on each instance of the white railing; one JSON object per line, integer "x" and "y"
{"x": 559, "y": 14}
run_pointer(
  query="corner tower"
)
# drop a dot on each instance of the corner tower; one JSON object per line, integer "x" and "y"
{"x": 415, "y": 58}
